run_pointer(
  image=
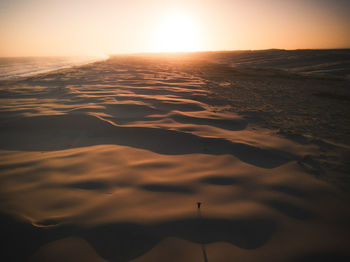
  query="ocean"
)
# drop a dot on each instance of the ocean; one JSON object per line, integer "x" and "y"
{"x": 17, "y": 67}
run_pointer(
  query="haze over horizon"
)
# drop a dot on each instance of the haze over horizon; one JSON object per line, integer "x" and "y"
{"x": 57, "y": 28}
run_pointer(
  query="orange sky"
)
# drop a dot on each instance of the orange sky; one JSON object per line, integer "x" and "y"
{"x": 100, "y": 27}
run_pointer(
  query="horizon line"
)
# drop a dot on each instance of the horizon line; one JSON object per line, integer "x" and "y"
{"x": 181, "y": 52}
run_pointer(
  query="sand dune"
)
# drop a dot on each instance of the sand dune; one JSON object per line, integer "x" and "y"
{"x": 106, "y": 162}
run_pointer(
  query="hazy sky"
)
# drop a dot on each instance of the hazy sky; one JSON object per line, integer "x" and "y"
{"x": 98, "y": 27}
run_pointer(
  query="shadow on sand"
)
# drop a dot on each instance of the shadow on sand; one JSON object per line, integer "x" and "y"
{"x": 126, "y": 241}
{"x": 45, "y": 133}
{"x": 204, "y": 249}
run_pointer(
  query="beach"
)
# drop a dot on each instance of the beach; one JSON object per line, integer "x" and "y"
{"x": 108, "y": 161}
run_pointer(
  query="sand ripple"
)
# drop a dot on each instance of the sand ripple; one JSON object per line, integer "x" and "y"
{"x": 111, "y": 159}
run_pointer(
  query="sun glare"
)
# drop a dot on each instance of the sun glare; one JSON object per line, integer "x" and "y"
{"x": 176, "y": 33}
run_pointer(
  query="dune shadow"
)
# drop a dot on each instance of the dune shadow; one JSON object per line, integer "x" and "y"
{"x": 311, "y": 166}
{"x": 88, "y": 185}
{"x": 4, "y": 167}
{"x": 296, "y": 192}
{"x": 228, "y": 124}
{"x": 66, "y": 131}
{"x": 322, "y": 256}
{"x": 221, "y": 180}
{"x": 130, "y": 111}
{"x": 125, "y": 241}
{"x": 163, "y": 188}
{"x": 165, "y": 105}
{"x": 21, "y": 235}
{"x": 154, "y": 164}
{"x": 290, "y": 210}
{"x": 249, "y": 233}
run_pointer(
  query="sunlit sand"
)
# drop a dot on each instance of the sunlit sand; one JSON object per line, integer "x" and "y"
{"x": 106, "y": 162}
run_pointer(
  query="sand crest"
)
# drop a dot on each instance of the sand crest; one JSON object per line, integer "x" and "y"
{"x": 106, "y": 162}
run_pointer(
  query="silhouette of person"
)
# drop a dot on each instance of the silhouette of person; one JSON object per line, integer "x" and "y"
{"x": 199, "y": 205}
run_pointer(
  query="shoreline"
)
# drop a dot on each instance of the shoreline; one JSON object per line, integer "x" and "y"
{"x": 48, "y": 71}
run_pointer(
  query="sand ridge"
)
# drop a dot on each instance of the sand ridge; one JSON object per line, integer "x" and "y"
{"x": 111, "y": 158}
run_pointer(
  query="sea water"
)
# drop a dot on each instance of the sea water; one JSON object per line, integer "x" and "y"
{"x": 17, "y": 67}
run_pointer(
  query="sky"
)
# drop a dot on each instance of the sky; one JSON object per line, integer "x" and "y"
{"x": 102, "y": 27}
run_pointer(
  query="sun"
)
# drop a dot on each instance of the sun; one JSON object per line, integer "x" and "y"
{"x": 176, "y": 33}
